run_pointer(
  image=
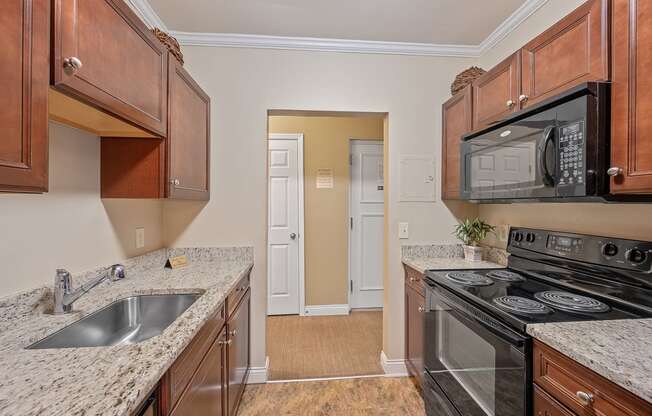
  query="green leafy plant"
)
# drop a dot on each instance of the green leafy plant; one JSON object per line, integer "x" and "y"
{"x": 471, "y": 232}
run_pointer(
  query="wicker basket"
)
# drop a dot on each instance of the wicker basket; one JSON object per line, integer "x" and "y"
{"x": 171, "y": 43}
{"x": 465, "y": 78}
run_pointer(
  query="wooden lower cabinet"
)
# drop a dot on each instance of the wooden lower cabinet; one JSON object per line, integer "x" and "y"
{"x": 414, "y": 324}
{"x": 24, "y": 80}
{"x": 238, "y": 353}
{"x": 631, "y": 143}
{"x": 572, "y": 389}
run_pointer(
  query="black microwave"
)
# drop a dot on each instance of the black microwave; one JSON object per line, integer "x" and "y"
{"x": 556, "y": 150}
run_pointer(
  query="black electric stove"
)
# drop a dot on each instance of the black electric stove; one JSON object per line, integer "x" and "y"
{"x": 477, "y": 353}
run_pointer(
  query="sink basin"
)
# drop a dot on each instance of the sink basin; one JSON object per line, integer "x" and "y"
{"x": 125, "y": 321}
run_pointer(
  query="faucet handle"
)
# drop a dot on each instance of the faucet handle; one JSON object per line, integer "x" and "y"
{"x": 117, "y": 272}
{"x": 63, "y": 280}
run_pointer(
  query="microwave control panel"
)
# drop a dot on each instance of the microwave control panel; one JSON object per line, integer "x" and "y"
{"x": 571, "y": 154}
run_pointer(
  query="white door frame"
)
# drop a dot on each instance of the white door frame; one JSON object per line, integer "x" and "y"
{"x": 302, "y": 292}
{"x": 353, "y": 140}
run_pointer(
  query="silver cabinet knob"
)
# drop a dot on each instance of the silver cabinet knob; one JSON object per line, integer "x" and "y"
{"x": 175, "y": 182}
{"x": 225, "y": 342}
{"x": 510, "y": 103}
{"x": 412, "y": 279}
{"x": 293, "y": 236}
{"x": 614, "y": 171}
{"x": 71, "y": 65}
{"x": 422, "y": 309}
{"x": 585, "y": 398}
{"x": 523, "y": 98}
{"x": 233, "y": 333}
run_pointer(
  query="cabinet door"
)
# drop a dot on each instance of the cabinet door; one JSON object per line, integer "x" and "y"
{"x": 205, "y": 393}
{"x": 188, "y": 136}
{"x": 573, "y": 51}
{"x": 545, "y": 405}
{"x": 24, "y": 78}
{"x": 123, "y": 66}
{"x": 414, "y": 308}
{"x": 495, "y": 94}
{"x": 631, "y": 125}
{"x": 238, "y": 353}
{"x": 456, "y": 121}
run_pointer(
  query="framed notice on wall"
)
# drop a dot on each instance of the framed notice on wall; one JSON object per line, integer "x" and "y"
{"x": 417, "y": 178}
{"x": 324, "y": 179}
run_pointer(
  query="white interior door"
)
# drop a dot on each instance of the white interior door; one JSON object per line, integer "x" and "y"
{"x": 283, "y": 254}
{"x": 367, "y": 224}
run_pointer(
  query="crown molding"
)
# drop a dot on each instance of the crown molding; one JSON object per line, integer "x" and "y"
{"x": 323, "y": 45}
{"x": 147, "y": 14}
{"x": 235, "y": 40}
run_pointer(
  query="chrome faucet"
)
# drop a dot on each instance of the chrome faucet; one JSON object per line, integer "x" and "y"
{"x": 64, "y": 296}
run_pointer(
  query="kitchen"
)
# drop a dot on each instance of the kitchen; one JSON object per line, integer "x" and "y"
{"x": 87, "y": 219}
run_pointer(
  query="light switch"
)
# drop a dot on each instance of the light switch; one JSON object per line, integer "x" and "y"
{"x": 403, "y": 230}
{"x": 140, "y": 237}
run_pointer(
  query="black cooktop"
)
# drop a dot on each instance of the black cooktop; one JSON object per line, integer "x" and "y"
{"x": 519, "y": 298}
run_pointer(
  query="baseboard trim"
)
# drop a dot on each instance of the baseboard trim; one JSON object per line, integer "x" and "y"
{"x": 323, "y": 310}
{"x": 334, "y": 378}
{"x": 393, "y": 368}
{"x": 258, "y": 375}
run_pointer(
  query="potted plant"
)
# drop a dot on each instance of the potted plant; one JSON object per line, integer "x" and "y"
{"x": 471, "y": 232}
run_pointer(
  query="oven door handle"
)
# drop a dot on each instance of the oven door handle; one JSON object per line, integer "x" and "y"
{"x": 548, "y": 135}
{"x": 474, "y": 315}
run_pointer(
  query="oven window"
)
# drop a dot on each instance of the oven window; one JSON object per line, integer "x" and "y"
{"x": 471, "y": 361}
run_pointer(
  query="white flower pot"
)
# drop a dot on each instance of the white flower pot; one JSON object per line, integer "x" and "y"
{"x": 473, "y": 253}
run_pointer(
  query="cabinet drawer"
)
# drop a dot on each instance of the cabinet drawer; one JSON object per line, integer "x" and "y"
{"x": 236, "y": 294}
{"x": 184, "y": 367}
{"x": 544, "y": 405}
{"x": 566, "y": 380}
{"x": 414, "y": 279}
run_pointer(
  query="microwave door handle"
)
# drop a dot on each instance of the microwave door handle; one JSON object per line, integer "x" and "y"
{"x": 548, "y": 135}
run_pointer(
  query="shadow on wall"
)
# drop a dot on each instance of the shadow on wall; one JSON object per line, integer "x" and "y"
{"x": 177, "y": 217}
{"x": 126, "y": 215}
{"x": 462, "y": 210}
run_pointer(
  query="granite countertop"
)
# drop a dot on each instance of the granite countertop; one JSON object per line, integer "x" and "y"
{"x": 107, "y": 380}
{"x": 449, "y": 256}
{"x": 619, "y": 350}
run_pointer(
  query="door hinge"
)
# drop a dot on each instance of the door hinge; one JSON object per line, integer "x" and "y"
{"x": 351, "y": 281}
{"x": 351, "y": 160}
{"x": 351, "y": 222}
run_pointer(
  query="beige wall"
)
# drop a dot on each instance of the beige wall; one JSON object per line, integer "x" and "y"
{"x": 618, "y": 220}
{"x": 70, "y": 226}
{"x": 245, "y": 83}
{"x": 326, "y": 145}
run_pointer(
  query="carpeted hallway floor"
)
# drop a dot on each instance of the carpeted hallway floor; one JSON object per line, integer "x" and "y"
{"x": 324, "y": 346}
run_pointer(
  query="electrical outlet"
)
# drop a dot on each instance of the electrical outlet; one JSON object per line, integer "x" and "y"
{"x": 403, "y": 230}
{"x": 502, "y": 232}
{"x": 140, "y": 237}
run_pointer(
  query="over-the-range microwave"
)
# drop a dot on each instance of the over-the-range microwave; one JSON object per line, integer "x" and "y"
{"x": 556, "y": 150}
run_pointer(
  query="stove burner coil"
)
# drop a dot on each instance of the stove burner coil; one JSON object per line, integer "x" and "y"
{"x": 571, "y": 302}
{"x": 505, "y": 275}
{"x": 522, "y": 306}
{"x": 469, "y": 278}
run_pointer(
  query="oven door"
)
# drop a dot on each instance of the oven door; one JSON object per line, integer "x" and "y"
{"x": 517, "y": 161}
{"x": 475, "y": 366}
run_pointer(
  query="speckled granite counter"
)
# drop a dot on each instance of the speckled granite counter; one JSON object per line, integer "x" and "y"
{"x": 620, "y": 351}
{"x": 107, "y": 380}
{"x": 449, "y": 256}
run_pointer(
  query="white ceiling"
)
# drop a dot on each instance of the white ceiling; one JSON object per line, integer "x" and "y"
{"x": 452, "y": 22}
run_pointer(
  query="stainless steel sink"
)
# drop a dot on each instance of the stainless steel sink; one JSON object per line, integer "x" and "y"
{"x": 126, "y": 321}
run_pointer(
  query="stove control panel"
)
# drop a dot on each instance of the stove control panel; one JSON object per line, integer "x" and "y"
{"x": 614, "y": 252}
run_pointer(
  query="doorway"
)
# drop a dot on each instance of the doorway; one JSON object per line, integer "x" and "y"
{"x": 316, "y": 326}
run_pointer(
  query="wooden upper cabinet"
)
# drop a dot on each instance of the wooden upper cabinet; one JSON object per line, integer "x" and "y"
{"x": 631, "y": 131}
{"x": 456, "y": 121}
{"x": 105, "y": 56}
{"x": 188, "y": 141}
{"x": 495, "y": 94}
{"x": 572, "y": 51}
{"x": 24, "y": 80}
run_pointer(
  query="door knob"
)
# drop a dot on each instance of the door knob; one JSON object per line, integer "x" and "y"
{"x": 293, "y": 236}
{"x": 614, "y": 171}
{"x": 510, "y": 103}
{"x": 71, "y": 65}
{"x": 523, "y": 98}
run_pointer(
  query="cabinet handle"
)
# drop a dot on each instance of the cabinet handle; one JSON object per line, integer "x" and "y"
{"x": 233, "y": 333}
{"x": 585, "y": 398}
{"x": 412, "y": 279}
{"x": 523, "y": 98}
{"x": 422, "y": 309}
{"x": 175, "y": 182}
{"x": 71, "y": 65}
{"x": 225, "y": 342}
{"x": 510, "y": 103}
{"x": 614, "y": 171}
